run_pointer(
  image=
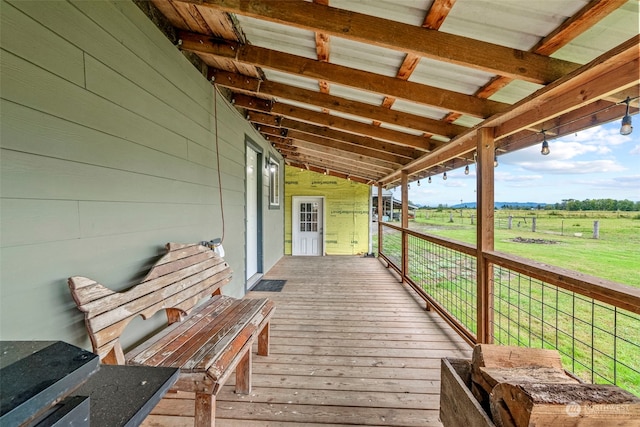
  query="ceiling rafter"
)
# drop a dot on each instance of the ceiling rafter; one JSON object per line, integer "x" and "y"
{"x": 613, "y": 71}
{"x": 343, "y": 105}
{"x": 446, "y": 100}
{"x": 334, "y": 122}
{"x": 407, "y": 38}
{"x": 577, "y": 24}
{"x": 435, "y": 17}
{"x": 346, "y": 146}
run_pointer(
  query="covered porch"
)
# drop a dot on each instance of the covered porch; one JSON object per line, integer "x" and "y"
{"x": 350, "y": 346}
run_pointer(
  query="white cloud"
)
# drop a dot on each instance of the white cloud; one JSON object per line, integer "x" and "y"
{"x": 635, "y": 151}
{"x": 573, "y": 167}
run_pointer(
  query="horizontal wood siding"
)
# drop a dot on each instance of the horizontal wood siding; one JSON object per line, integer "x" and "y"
{"x": 107, "y": 153}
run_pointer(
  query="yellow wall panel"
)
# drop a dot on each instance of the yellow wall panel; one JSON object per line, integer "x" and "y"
{"x": 346, "y": 210}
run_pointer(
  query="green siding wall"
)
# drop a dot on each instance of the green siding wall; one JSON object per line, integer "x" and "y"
{"x": 107, "y": 153}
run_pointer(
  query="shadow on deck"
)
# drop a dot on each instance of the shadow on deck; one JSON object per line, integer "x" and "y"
{"x": 349, "y": 346}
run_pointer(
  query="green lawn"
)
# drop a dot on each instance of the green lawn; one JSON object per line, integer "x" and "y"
{"x": 589, "y": 336}
{"x": 614, "y": 256}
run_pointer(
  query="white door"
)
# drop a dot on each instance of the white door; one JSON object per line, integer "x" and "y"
{"x": 307, "y": 224}
{"x": 252, "y": 212}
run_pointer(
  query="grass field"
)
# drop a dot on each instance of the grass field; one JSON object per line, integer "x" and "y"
{"x": 591, "y": 337}
{"x": 567, "y": 238}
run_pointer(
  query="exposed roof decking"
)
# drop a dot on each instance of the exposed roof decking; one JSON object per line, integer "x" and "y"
{"x": 349, "y": 346}
{"x": 447, "y": 61}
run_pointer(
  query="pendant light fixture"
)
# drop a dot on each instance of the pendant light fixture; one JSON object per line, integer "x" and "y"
{"x": 545, "y": 145}
{"x": 626, "y": 128}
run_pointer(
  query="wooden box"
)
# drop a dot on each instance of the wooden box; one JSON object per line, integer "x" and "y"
{"x": 458, "y": 407}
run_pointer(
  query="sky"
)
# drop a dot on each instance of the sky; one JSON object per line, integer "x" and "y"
{"x": 596, "y": 163}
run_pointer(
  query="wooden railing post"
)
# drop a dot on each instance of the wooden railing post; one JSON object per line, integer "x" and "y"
{"x": 404, "y": 216}
{"x": 485, "y": 232}
{"x": 380, "y": 215}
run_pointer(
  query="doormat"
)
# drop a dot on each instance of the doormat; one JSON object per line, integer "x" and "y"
{"x": 269, "y": 286}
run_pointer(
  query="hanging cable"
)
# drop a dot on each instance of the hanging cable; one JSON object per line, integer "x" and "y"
{"x": 215, "y": 113}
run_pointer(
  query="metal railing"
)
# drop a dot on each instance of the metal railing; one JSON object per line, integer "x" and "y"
{"x": 592, "y": 322}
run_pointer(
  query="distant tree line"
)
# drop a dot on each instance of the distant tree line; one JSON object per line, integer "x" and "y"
{"x": 595, "y": 205}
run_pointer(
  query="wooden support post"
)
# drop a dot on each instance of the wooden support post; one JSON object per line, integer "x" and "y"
{"x": 485, "y": 232}
{"x": 404, "y": 215}
{"x": 205, "y": 410}
{"x": 243, "y": 374}
{"x": 263, "y": 340}
{"x": 380, "y": 215}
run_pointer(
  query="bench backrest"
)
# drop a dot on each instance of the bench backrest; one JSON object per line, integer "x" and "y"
{"x": 186, "y": 274}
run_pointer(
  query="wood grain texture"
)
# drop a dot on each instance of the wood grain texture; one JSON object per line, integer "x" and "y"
{"x": 349, "y": 346}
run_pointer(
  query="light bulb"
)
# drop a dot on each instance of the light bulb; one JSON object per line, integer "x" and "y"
{"x": 626, "y": 127}
{"x": 418, "y": 183}
{"x": 429, "y": 180}
{"x": 444, "y": 176}
{"x": 545, "y": 148}
{"x": 466, "y": 170}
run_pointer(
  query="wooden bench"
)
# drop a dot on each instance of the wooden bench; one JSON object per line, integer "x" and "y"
{"x": 205, "y": 341}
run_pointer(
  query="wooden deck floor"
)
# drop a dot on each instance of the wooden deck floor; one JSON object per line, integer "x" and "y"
{"x": 350, "y": 346}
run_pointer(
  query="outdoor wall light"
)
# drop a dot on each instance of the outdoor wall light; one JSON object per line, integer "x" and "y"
{"x": 272, "y": 167}
{"x": 626, "y": 127}
{"x": 444, "y": 176}
{"x": 466, "y": 170}
{"x": 545, "y": 145}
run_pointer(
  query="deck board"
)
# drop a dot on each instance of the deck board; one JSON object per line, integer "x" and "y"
{"x": 349, "y": 346}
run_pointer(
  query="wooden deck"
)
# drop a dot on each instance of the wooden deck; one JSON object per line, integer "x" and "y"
{"x": 350, "y": 346}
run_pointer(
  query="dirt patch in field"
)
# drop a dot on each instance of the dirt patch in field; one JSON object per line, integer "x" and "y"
{"x": 534, "y": 241}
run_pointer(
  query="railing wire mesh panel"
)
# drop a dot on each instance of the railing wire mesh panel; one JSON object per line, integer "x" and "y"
{"x": 448, "y": 276}
{"x": 392, "y": 245}
{"x": 598, "y": 342}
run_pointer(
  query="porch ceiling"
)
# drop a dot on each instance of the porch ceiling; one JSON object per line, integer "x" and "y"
{"x": 368, "y": 89}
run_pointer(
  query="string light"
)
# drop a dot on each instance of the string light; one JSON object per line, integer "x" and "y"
{"x": 429, "y": 180}
{"x": 444, "y": 176}
{"x": 466, "y": 170}
{"x": 626, "y": 128}
{"x": 545, "y": 144}
{"x": 495, "y": 159}
{"x": 418, "y": 183}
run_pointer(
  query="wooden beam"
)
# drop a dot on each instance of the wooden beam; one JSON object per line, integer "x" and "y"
{"x": 335, "y": 122}
{"x": 322, "y": 154}
{"x": 580, "y": 22}
{"x": 297, "y": 65}
{"x": 485, "y": 231}
{"x": 337, "y": 144}
{"x": 356, "y": 108}
{"x": 620, "y": 64}
{"x": 433, "y": 44}
{"x": 344, "y": 151}
{"x": 438, "y": 13}
{"x": 317, "y": 169}
{"x": 342, "y": 167}
{"x": 592, "y": 13}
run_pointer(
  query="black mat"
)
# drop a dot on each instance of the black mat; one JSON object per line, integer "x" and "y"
{"x": 269, "y": 286}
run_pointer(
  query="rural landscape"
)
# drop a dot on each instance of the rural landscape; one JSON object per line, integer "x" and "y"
{"x": 600, "y": 243}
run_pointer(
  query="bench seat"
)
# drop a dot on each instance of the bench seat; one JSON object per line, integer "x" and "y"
{"x": 208, "y": 337}
{"x": 208, "y": 344}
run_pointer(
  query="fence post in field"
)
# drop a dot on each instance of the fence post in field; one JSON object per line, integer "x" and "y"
{"x": 533, "y": 224}
{"x": 510, "y": 222}
{"x": 596, "y": 229}
{"x": 450, "y": 216}
{"x": 471, "y": 219}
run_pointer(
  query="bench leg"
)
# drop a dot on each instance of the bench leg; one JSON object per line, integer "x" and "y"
{"x": 205, "y": 410}
{"x": 243, "y": 374}
{"x": 263, "y": 341}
